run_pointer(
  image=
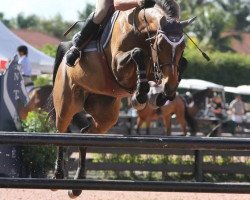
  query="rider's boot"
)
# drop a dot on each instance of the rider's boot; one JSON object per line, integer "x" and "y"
{"x": 81, "y": 40}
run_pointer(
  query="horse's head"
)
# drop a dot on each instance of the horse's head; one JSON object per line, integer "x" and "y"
{"x": 167, "y": 50}
{"x": 161, "y": 27}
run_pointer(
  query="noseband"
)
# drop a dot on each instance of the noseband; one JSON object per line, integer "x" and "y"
{"x": 174, "y": 43}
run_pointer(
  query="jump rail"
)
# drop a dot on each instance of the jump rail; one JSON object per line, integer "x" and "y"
{"x": 151, "y": 186}
{"x": 157, "y": 142}
{"x": 190, "y": 143}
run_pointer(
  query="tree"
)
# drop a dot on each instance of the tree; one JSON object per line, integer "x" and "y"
{"x": 49, "y": 50}
{"x": 55, "y": 26}
{"x": 5, "y": 21}
{"x": 86, "y": 12}
{"x": 212, "y": 23}
{"x": 240, "y": 9}
{"x": 31, "y": 21}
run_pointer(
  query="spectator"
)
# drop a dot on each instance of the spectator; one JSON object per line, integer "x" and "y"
{"x": 237, "y": 108}
{"x": 24, "y": 62}
{"x": 217, "y": 107}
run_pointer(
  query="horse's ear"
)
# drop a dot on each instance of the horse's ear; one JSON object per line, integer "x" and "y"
{"x": 185, "y": 23}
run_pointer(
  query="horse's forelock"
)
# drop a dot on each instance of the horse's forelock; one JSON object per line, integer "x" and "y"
{"x": 170, "y": 7}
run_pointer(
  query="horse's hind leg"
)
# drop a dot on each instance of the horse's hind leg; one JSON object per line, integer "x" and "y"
{"x": 81, "y": 172}
{"x": 59, "y": 172}
{"x": 68, "y": 100}
{"x": 104, "y": 111}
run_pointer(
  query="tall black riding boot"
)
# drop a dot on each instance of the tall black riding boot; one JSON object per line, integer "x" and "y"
{"x": 88, "y": 32}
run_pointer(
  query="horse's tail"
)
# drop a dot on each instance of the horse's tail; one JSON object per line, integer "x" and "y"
{"x": 190, "y": 121}
{"x": 61, "y": 51}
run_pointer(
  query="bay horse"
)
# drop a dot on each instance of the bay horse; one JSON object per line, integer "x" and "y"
{"x": 38, "y": 99}
{"x": 185, "y": 113}
{"x": 146, "y": 45}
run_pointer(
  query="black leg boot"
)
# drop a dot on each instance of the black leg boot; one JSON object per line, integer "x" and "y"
{"x": 88, "y": 32}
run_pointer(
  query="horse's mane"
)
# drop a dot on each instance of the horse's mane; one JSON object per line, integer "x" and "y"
{"x": 170, "y": 7}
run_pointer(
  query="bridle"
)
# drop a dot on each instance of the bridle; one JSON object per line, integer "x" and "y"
{"x": 174, "y": 42}
{"x": 155, "y": 55}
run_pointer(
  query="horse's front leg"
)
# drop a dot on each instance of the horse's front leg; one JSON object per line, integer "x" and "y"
{"x": 140, "y": 98}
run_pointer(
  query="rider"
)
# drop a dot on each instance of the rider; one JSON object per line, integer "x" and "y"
{"x": 91, "y": 27}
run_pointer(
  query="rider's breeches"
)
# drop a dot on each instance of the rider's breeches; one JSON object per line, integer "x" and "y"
{"x": 101, "y": 11}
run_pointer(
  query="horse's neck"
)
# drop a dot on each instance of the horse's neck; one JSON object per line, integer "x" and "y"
{"x": 131, "y": 31}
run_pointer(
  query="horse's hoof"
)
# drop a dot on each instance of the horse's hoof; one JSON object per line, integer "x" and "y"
{"x": 73, "y": 194}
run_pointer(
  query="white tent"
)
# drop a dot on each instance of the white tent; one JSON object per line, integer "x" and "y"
{"x": 243, "y": 90}
{"x": 9, "y": 42}
{"x": 197, "y": 84}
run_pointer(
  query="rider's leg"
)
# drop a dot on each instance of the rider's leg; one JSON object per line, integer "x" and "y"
{"x": 102, "y": 8}
{"x": 89, "y": 31}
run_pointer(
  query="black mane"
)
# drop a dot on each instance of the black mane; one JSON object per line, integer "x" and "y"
{"x": 170, "y": 7}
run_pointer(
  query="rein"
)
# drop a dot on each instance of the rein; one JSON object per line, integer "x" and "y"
{"x": 156, "y": 67}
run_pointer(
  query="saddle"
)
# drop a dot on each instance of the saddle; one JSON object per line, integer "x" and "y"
{"x": 103, "y": 38}
{"x": 96, "y": 49}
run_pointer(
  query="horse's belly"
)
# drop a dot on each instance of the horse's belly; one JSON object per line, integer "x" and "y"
{"x": 94, "y": 75}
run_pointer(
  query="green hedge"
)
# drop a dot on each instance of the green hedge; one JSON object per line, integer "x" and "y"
{"x": 229, "y": 69}
{"x": 38, "y": 160}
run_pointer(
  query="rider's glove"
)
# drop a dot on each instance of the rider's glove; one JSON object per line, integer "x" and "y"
{"x": 147, "y": 3}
